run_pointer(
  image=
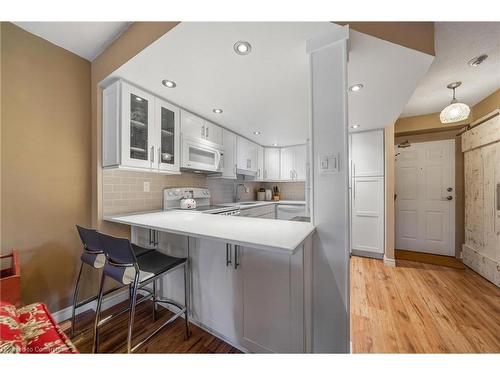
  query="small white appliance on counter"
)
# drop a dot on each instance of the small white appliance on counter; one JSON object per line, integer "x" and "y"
{"x": 181, "y": 198}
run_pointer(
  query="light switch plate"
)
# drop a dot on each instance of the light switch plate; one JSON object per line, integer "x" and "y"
{"x": 146, "y": 187}
{"x": 329, "y": 163}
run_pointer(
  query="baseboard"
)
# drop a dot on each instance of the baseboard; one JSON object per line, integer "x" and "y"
{"x": 389, "y": 262}
{"x": 367, "y": 254}
{"x": 109, "y": 301}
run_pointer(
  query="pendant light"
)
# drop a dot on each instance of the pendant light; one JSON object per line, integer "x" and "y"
{"x": 456, "y": 111}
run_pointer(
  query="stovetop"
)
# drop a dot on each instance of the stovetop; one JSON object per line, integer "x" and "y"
{"x": 213, "y": 209}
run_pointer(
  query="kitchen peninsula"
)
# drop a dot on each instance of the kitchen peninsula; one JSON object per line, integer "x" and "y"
{"x": 250, "y": 277}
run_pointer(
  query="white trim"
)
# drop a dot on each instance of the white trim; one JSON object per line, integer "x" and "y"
{"x": 65, "y": 314}
{"x": 389, "y": 262}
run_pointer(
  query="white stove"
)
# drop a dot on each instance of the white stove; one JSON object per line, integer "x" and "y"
{"x": 172, "y": 201}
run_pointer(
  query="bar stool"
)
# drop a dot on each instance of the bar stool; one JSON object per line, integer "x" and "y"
{"x": 93, "y": 257}
{"x": 123, "y": 266}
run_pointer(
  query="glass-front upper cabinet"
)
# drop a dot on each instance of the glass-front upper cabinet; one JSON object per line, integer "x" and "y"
{"x": 138, "y": 127}
{"x": 168, "y": 127}
{"x": 139, "y": 130}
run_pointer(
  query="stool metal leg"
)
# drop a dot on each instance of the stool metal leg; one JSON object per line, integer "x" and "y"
{"x": 95, "y": 346}
{"x": 132, "y": 312}
{"x": 75, "y": 298}
{"x": 154, "y": 300}
{"x": 186, "y": 300}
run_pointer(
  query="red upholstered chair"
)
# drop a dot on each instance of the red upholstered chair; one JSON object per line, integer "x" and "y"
{"x": 31, "y": 329}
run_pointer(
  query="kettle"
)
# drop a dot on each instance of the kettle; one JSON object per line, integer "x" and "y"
{"x": 188, "y": 204}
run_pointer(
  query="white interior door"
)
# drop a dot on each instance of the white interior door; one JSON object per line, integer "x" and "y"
{"x": 425, "y": 197}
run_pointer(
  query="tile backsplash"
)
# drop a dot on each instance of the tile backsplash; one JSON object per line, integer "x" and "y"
{"x": 123, "y": 191}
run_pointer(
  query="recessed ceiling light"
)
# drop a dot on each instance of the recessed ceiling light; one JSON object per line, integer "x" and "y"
{"x": 476, "y": 61}
{"x": 257, "y": 132}
{"x": 138, "y": 99}
{"x": 355, "y": 126}
{"x": 168, "y": 83}
{"x": 218, "y": 110}
{"x": 356, "y": 87}
{"x": 242, "y": 47}
{"x": 275, "y": 144}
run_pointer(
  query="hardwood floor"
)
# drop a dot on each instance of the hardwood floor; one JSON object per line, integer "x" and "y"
{"x": 171, "y": 339}
{"x": 422, "y": 308}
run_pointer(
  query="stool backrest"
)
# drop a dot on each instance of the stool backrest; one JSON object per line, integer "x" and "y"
{"x": 121, "y": 263}
{"x": 117, "y": 250}
{"x": 90, "y": 239}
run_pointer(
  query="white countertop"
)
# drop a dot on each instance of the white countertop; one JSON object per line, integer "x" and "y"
{"x": 266, "y": 234}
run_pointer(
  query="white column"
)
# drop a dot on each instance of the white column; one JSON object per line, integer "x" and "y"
{"x": 329, "y": 195}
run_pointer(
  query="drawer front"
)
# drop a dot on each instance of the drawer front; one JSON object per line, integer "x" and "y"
{"x": 258, "y": 211}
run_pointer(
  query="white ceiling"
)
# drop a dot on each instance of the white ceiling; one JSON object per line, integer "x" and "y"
{"x": 456, "y": 43}
{"x": 265, "y": 91}
{"x": 86, "y": 39}
{"x": 389, "y": 74}
{"x": 268, "y": 90}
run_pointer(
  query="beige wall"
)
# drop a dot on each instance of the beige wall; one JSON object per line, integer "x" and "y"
{"x": 45, "y": 161}
{"x": 429, "y": 128}
{"x": 430, "y": 122}
{"x": 415, "y": 35}
{"x": 137, "y": 37}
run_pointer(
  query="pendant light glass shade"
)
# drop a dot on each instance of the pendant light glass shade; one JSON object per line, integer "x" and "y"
{"x": 456, "y": 111}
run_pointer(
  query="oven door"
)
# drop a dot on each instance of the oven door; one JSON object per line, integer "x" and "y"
{"x": 200, "y": 156}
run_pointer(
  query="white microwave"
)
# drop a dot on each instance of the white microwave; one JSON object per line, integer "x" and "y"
{"x": 201, "y": 155}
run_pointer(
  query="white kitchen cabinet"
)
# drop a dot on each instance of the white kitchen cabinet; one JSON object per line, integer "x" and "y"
{"x": 289, "y": 211}
{"x": 192, "y": 126}
{"x": 367, "y": 153}
{"x": 229, "y": 155}
{"x": 167, "y": 130}
{"x": 272, "y": 291}
{"x": 260, "y": 163}
{"x": 272, "y": 163}
{"x": 368, "y": 216}
{"x": 195, "y": 127}
{"x": 255, "y": 299}
{"x": 216, "y": 287}
{"x": 140, "y": 131}
{"x": 293, "y": 163}
{"x": 246, "y": 155}
{"x": 213, "y": 133}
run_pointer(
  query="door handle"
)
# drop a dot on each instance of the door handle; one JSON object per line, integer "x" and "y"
{"x": 228, "y": 255}
{"x": 449, "y": 198}
{"x": 236, "y": 264}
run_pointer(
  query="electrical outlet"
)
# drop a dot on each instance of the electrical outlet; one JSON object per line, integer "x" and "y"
{"x": 146, "y": 186}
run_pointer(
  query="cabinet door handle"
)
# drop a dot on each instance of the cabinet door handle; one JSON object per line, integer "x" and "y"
{"x": 203, "y": 131}
{"x": 152, "y": 154}
{"x": 151, "y": 241}
{"x": 206, "y": 131}
{"x": 234, "y": 169}
{"x": 228, "y": 255}
{"x": 236, "y": 264}
{"x": 258, "y": 173}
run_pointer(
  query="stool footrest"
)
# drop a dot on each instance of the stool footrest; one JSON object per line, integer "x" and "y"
{"x": 143, "y": 341}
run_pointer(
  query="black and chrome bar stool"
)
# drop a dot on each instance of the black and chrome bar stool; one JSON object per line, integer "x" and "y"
{"x": 123, "y": 266}
{"x": 93, "y": 257}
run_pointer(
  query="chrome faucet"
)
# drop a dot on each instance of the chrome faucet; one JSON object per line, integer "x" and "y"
{"x": 236, "y": 193}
